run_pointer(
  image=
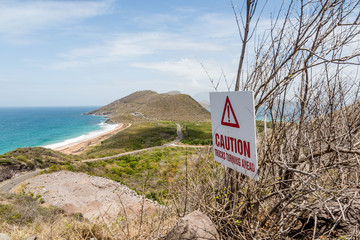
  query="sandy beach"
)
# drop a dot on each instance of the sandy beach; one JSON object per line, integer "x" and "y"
{"x": 77, "y": 148}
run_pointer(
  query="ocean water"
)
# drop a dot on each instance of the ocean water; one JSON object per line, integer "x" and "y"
{"x": 48, "y": 126}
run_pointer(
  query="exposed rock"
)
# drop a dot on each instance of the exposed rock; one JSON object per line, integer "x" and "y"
{"x": 195, "y": 226}
{"x": 4, "y": 236}
{"x": 96, "y": 198}
{"x": 7, "y": 172}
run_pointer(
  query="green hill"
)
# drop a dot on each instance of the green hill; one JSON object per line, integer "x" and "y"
{"x": 150, "y": 105}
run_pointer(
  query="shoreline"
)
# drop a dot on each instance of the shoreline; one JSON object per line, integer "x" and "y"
{"x": 79, "y": 146}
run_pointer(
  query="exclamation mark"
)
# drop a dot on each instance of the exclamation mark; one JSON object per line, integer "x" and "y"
{"x": 228, "y": 110}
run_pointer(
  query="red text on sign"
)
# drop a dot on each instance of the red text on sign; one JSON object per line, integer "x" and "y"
{"x": 235, "y": 160}
{"x": 233, "y": 144}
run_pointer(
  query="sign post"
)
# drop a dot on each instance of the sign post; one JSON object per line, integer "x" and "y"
{"x": 233, "y": 131}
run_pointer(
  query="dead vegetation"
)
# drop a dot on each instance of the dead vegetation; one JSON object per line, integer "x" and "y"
{"x": 22, "y": 216}
{"x": 303, "y": 73}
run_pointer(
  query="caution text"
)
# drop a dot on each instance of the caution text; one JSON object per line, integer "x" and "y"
{"x": 234, "y": 145}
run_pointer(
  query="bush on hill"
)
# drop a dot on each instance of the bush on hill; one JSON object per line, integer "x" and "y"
{"x": 197, "y": 133}
{"x": 23, "y": 215}
{"x": 139, "y": 135}
{"x": 35, "y": 157}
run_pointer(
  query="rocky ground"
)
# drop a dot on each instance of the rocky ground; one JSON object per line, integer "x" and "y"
{"x": 97, "y": 199}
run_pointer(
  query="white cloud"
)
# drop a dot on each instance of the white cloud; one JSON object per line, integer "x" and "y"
{"x": 216, "y": 25}
{"x": 194, "y": 76}
{"x": 126, "y": 46}
{"x": 190, "y": 22}
{"x": 22, "y": 17}
{"x": 188, "y": 68}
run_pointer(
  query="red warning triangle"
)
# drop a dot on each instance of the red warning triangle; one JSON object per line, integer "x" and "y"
{"x": 229, "y": 117}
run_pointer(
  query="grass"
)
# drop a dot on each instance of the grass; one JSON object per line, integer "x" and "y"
{"x": 6, "y": 162}
{"x": 151, "y": 173}
{"x": 32, "y": 157}
{"x": 157, "y": 174}
{"x": 197, "y": 133}
{"x": 139, "y": 135}
{"x": 23, "y": 209}
{"x": 23, "y": 215}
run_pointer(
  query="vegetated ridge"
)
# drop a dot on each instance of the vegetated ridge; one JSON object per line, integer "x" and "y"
{"x": 27, "y": 159}
{"x": 150, "y": 105}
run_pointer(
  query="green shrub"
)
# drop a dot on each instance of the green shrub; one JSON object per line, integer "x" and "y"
{"x": 71, "y": 168}
{"x": 117, "y": 171}
{"x": 260, "y": 126}
{"x": 6, "y": 162}
{"x": 139, "y": 135}
{"x": 55, "y": 168}
{"x": 22, "y": 158}
{"x": 128, "y": 171}
{"x": 197, "y": 133}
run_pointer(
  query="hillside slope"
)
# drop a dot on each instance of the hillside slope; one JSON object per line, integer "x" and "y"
{"x": 27, "y": 159}
{"x": 150, "y": 105}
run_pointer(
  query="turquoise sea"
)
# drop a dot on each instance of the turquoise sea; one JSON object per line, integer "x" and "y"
{"x": 47, "y": 126}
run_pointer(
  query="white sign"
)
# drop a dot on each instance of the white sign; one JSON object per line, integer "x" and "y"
{"x": 233, "y": 130}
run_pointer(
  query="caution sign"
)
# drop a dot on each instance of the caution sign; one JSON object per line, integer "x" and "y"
{"x": 233, "y": 129}
{"x": 229, "y": 115}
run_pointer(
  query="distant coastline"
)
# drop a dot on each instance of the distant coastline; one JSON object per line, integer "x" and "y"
{"x": 48, "y": 126}
{"x": 105, "y": 128}
{"x": 78, "y": 147}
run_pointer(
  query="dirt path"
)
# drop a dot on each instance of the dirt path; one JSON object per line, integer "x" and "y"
{"x": 7, "y": 185}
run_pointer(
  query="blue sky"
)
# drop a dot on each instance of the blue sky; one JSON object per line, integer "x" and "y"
{"x": 77, "y": 53}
